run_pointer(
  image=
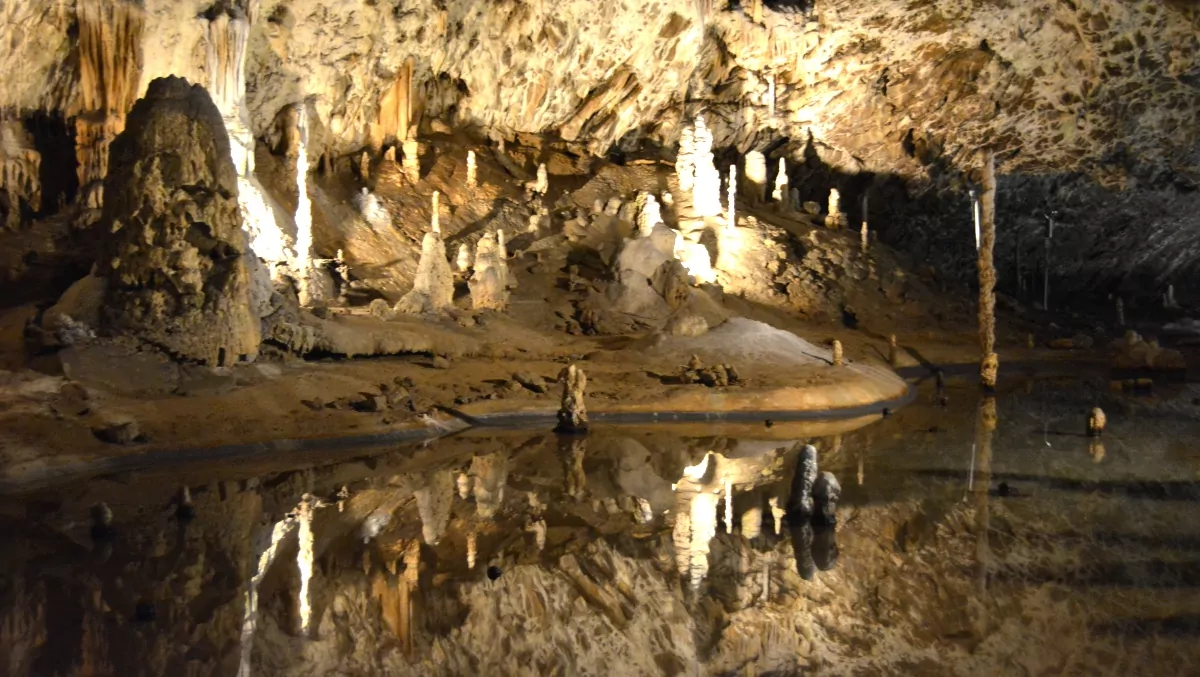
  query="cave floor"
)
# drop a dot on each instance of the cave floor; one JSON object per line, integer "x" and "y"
{"x": 1029, "y": 550}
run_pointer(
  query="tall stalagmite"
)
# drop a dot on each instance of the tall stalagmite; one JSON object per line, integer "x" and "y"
{"x": 174, "y": 253}
{"x": 110, "y": 64}
{"x": 989, "y": 364}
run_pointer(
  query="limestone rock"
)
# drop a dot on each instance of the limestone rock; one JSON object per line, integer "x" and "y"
{"x": 174, "y": 248}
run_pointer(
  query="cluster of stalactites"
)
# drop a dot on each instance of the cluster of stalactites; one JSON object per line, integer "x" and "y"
{"x": 20, "y": 167}
{"x": 110, "y": 65}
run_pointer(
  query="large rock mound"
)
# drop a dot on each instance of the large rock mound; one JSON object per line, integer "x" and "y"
{"x": 174, "y": 248}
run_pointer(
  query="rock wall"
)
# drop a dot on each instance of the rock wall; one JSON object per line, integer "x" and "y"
{"x": 174, "y": 249}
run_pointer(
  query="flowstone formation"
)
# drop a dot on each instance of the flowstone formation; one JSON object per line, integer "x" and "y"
{"x": 175, "y": 251}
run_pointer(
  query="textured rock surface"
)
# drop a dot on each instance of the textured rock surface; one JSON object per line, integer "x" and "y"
{"x": 174, "y": 253}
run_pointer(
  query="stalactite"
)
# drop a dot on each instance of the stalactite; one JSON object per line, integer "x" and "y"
{"x": 987, "y": 275}
{"x": 110, "y": 65}
{"x": 780, "y": 194}
{"x": 20, "y": 168}
{"x": 396, "y": 109}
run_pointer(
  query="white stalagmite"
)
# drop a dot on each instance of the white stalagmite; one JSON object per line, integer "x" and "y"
{"x": 685, "y": 160}
{"x": 472, "y": 180}
{"x": 463, "y": 261}
{"x": 364, "y": 166}
{"x": 730, "y": 214}
{"x": 864, "y": 224}
{"x": 302, "y": 263}
{"x": 756, "y": 176}
{"x": 538, "y": 529}
{"x": 649, "y": 216}
{"x": 780, "y": 194}
{"x": 472, "y": 550}
{"x": 488, "y": 284}
{"x": 543, "y": 180}
{"x": 836, "y": 218}
{"x": 433, "y": 285}
{"x": 706, "y": 189}
{"x": 463, "y": 483}
{"x": 502, "y": 259}
{"x": 777, "y": 513}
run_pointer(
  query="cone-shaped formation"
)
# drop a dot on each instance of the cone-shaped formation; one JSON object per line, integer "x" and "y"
{"x": 186, "y": 294}
{"x": 435, "y": 215}
{"x": 572, "y": 413}
{"x": 836, "y": 218}
{"x": 838, "y": 357}
{"x": 433, "y": 286}
{"x": 542, "y": 184}
{"x": 433, "y": 504}
{"x": 489, "y": 284}
{"x": 463, "y": 261}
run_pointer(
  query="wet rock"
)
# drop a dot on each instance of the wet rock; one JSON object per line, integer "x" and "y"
{"x": 572, "y": 414}
{"x": 531, "y": 381}
{"x": 826, "y": 492}
{"x": 122, "y": 432}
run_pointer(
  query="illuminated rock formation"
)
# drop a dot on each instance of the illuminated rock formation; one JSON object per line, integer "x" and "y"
{"x": 174, "y": 256}
{"x": 649, "y": 214}
{"x": 836, "y": 219}
{"x": 472, "y": 180}
{"x": 20, "y": 165}
{"x": 572, "y": 412}
{"x": 488, "y": 284}
{"x": 706, "y": 187}
{"x": 462, "y": 262}
{"x": 756, "y": 176}
{"x": 685, "y": 160}
{"x": 110, "y": 63}
{"x": 302, "y": 262}
{"x": 433, "y": 286}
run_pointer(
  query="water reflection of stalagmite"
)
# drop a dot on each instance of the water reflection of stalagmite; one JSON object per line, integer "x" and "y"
{"x": 433, "y": 504}
{"x": 490, "y": 473}
{"x": 985, "y": 427}
{"x": 704, "y": 529}
{"x": 304, "y": 562}
{"x": 572, "y": 449}
{"x": 266, "y": 557}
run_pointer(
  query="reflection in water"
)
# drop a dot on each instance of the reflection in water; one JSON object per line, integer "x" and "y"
{"x": 523, "y": 551}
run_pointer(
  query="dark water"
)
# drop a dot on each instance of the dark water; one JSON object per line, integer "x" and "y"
{"x": 972, "y": 537}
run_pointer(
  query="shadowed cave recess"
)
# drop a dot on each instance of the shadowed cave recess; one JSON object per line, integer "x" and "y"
{"x": 681, "y": 337}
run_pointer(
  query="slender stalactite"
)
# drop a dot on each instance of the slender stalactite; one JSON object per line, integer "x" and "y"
{"x": 990, "y": 363}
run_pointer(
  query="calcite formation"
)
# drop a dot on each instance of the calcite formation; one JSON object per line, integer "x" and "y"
{"x": 706, "y": 186}
{"x": 572, "y": 411}
{"x": 174, "y": 254}
{"x": 433, "y": 287}
{"x": 488, "y": 284}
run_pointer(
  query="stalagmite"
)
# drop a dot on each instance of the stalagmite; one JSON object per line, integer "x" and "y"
{"x": 706, "y": 188}
{"x": 303, "y": 264}
{"x": 463, "y": 260}
{"x": 572, "y": 414}
{"x": 780, "y": 193}
{"x": 463, "y": 484}
{"x": 538, "y": 529}
{"x": 509, "y": 281}
{"x": 364, "y": 167}
{"x": 1096, "y": 422}
{"x": 542, "y": 183}
{"x": 731, "y": 199}
{"x": 893, "y": 350}
{"x": 433, "y": 505}
{"x": 488, "y": 285}
{"x": 990, "y": 364}
{"x": 836, "y": 218}
{"x": 649, "y": 216}
{"x": 435, "y": 214}
{"x": 472, "y": 549}
{"x": 573, "y": 450}
{"x": 490, "y": 476}
{"x": 265, "y": 558}
{"x": 756, "y": 176}
{"x": 412, "y": 159}
{"x": 110, "y": 64}
{"x": 838, "y": 356}
{"x": 433, "y": 286}
{"x": 472, "y": 181}
{"x": 1120, "y": 313}
{"x": 1049, "y": 240}
{"x": 685, "y": 160}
